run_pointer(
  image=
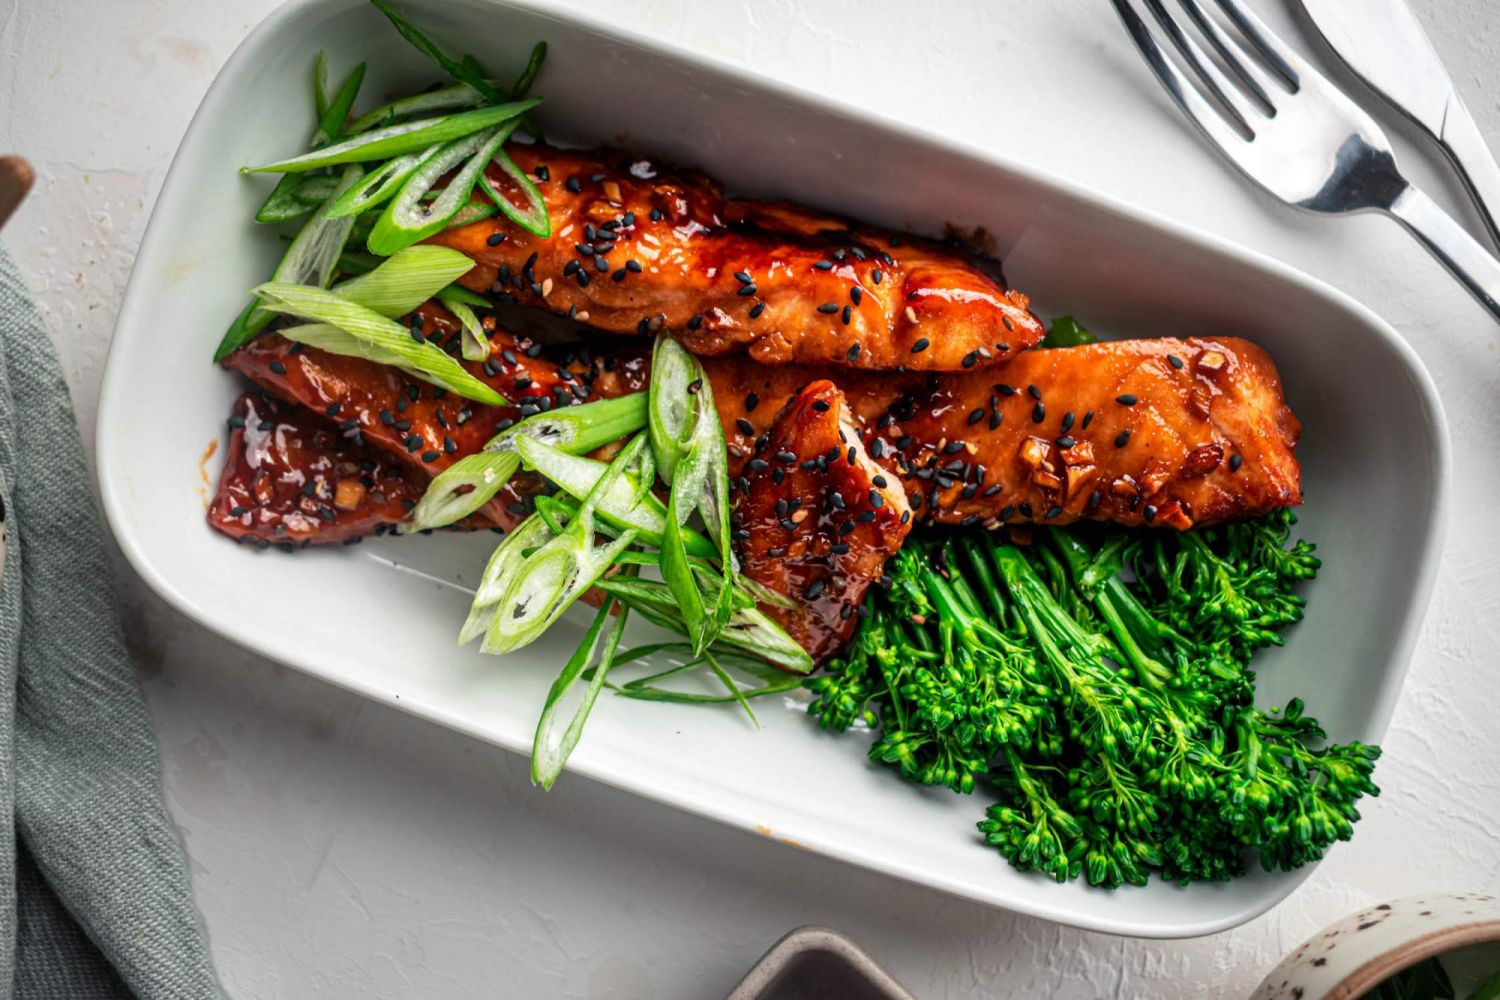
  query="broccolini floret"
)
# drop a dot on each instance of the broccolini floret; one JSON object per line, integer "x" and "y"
{"x": 1098, "y": 685}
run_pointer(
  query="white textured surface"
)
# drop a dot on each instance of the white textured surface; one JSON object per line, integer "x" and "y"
{"x": 342, "y": 849}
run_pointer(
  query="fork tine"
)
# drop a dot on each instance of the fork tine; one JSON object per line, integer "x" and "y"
{"x": 1193, "y": 104}
{"x": 1217, "y": 83}
{"x": 1283, "y": 59}
{"x": 1236, "y": 58}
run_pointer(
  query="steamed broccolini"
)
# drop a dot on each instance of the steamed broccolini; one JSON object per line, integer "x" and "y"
{"x": 1099, "y": 686}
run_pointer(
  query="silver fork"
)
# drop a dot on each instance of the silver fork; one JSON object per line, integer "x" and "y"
{"x": 1296, "y": 134}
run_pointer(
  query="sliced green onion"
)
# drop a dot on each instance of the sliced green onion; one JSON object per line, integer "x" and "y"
{"x": 424, "y": 360}
{"x": 749, "y": 629}
{"x": 320, "y": 84}
{"x": 336, "y": 113}
{"x": 407, "y": 220}
{"x": 473, "y": 345}
{"x": 406, "y": 279}
{"x": 679, "y": 577}
{"x": 577, "y": 476}
{"x": 672, "y": 410}
{"x": 550, "y": 752}
{"x": 527, "y": 537}
{"x": 688, "y": 443}
{"x": 774, "y": 681}
{"x": 582, "y": 428}
{"x": 465, "y": 72}
{"x": 381, "y": 184}
{"x": 473, "y": 481}
{"x": 281, "y": 204}
{"x": 529, "y": 74}
{"x": 396, "y": 140}
{"x": 458, "y": 96}
{"x": 532, "y": 216}
{"x": 352, "y": 262}
{"x": 458, "y": 293}
{"x": 557, "y": 574}
{"x": 471, "y": 213}
{"x": 335, "y": 341}
{"x": 462, "y": 488}
{"x": 310, "y": 260}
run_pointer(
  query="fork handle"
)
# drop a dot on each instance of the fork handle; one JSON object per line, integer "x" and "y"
{"x": 1451, "y": 244}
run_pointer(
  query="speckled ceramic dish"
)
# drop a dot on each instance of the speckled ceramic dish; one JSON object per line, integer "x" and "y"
{"x": 1351, "y": 957}
{"x": 816, "y": 963}
{"x": 380, "y": 618}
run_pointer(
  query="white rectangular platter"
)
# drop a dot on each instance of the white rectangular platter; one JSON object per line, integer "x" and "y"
{"x": 380, "y": 618}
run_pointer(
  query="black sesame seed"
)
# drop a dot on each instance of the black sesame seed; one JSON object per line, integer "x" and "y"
{"x": 1126, "y": 399}
{"x": 953, "y": 447}
{"x": 855, "y": 295}
{"x": 1149, "y": 513}
{"x": 976, "y": 415}
{"x": 920, "y": 346}
{"x": 695, "y": 321}
{"x": 1088, "y": 418}
{"x": 785, "y": 456}
{"x": 494, "y": 239}
{"x": 1175, "y": 361}
{"x": 1052, "y": 512}
{"x": 846, "y": 315}
{"x": 1123, "y": 438}
{"x": 1005, "y": 390}
{"x": 1034, "y": 391}
{"x": 449, "y": 446}
{"x": 743, "y": 278}
{"x": 1007, "y": 512}
{"x": 969, "y": 521}
{"x": 757, "y": 309}
{"x": 431, "y": 456}
{"x": 1067, "y": 421}
{"x": 746, "y": 291}
{"x": 1065, "y": 442}
{"x": 758, "y": 465}
{"x": 1234, "y": 463}
{"x": 821, "y": 405}
{"x": 824, "y": 265}
{"x": 876, "y": 276}
{"x": 876, "y": 500}
{"x": 1038, "y": 413}
{"x": 332, "y": 409}
{"x": 828, "y": 308}
{"x": 1025, "y": 509}
{"x": 278, "y": 368}
{"x": 853, "y": 353}
{"x": 745, "y": 426}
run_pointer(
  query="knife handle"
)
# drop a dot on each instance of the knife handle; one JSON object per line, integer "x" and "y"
{"x": 1452, "y": 245}
{"x": 1466, "y": 148}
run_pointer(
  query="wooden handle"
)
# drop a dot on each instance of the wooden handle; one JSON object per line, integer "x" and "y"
{"x": 16, "y": 176}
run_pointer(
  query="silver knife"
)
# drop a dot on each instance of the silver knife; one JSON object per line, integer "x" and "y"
{"x": 1384, "y": 44}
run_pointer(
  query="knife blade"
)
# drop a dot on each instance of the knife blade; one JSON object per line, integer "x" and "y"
{"x": 1383, "y": 43}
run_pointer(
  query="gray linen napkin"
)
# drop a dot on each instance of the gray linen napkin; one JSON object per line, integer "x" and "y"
{"x": 94, "y": 895}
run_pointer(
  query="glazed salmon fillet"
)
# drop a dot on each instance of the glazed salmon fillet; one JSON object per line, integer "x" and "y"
{"x": 1165, "y": 432}
{"x": 636, "y": 248}
{"x": 818, "y": 526}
